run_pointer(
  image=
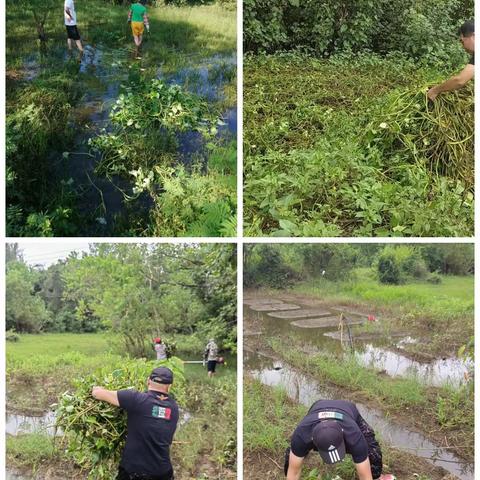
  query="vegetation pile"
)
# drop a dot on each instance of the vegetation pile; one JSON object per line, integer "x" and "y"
{"x": 97, "y": 429}
{"x": 354, "y": 155}
{"x": 439, "y": 133}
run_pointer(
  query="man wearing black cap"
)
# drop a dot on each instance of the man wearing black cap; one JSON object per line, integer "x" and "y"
{"x": 152, "y": 418}
{"x": 334, "y": 428}
{"x": 467, "y": 37}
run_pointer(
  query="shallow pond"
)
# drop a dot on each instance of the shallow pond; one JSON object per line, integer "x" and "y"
{"x": 100, "y": 74}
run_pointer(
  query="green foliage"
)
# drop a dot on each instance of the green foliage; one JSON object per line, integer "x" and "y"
{"x": 264, "y": 266}
{"x": 422, "y": 30}
{"x": 454, "y": 259}
{"x": 36, "y": 124}
{"x": 141, "y": 291}
{"x": 25, "y": 310}
{"x": 97, "y": 429}
{"x": 191, "y": 201}
{"x": 388, "y": 269}
{"x": 12, "y": 336}
{"x": 399, "y": 263}
{"x": 30, "y": 450}
{"x": 312, "y": 167}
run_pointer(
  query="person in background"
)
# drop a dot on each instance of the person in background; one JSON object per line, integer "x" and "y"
{"x": 467, "y": 37}
{"x": 334, "y": 428}
{"x": 71, "y": 26}
{"x": 211, "y": 356}
{"x": 160, "y": 348}
{"x": 152, "y": 418}
{"x": 138, "y": 18}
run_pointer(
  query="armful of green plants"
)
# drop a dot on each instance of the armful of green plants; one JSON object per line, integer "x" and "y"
{"x": 96, "y": 430}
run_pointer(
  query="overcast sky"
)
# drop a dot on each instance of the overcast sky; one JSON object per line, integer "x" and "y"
{"x": 48, "y": 252}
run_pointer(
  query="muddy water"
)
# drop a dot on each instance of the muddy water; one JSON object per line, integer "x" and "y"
{"x": 306, "y": 390}
{"x": 378, "y": 352}
{"x": 101, "y": 72}
{"x": 23, "y": 424}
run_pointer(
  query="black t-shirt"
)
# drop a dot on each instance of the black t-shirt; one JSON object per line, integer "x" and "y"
{"x": 151, "y": 424}
{"x": 472, "y": 59}
{"x": 355, "y": 443}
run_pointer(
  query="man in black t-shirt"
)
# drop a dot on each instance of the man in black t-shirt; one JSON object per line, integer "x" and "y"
{"x": 334, "y": 428}
{"x": 152, "y": 418}
{"x": 467, "y": 37}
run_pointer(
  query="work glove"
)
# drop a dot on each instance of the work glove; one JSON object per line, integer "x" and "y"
{"x": 287, "y": 461}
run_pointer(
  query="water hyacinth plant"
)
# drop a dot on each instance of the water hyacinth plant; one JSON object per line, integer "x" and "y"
{"x": 96, "y": 430}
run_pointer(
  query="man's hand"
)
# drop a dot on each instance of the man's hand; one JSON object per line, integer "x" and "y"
{"x": 105, "y": 395}
{"x": 432, "y": 93}
{"x": 454, "y": 83}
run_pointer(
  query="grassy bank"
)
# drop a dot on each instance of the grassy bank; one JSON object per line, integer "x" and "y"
{"x": 270, "y": 418}
{"x": 317, "y": 162}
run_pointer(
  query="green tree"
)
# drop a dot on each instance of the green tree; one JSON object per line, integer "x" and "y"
{"x": 25, "y": 310}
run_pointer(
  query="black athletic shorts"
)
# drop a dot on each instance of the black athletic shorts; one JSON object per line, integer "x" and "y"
{"x": 124, "y": 475}
{"x": 72, "y": 32}
{"x": 211, "y": 364}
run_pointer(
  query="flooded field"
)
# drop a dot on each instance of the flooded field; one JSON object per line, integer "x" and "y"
{"x": 108, "y": 200}
{"x": 328, "y": 334}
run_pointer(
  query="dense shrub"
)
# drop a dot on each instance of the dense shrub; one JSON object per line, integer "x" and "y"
{"x": 267, "y": 268}
{"x": 423, "y": 29}
{"x": 388, "y": 269}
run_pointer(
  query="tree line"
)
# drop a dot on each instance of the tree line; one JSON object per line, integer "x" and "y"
{"x": 281, "y": 265}
{"x": 418, "y": 29}
{"x": 136, "y": 290}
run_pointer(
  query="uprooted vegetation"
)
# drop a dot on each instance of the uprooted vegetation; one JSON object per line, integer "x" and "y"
{"x": 351, "y": 146}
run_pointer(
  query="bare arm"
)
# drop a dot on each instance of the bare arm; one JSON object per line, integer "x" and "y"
{"x": 67, "y": 11}
{"x": 454, "y": 83}
{"x": 105, "y": 395}
{"x": 363, "y": 470}
{"x": 294, "y": 467}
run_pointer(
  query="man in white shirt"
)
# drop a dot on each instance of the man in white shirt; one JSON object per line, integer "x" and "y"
{"x": 71, "y": 25}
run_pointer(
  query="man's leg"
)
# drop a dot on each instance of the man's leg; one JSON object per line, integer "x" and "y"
{"x": 79, "y": 45}
{"x": 140, "y": 38}
{"x": 374, "y": 451}
{"x": 69, "y": 43}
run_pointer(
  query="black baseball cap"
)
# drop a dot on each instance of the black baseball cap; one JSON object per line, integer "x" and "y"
{"x": 327, "y": 436}
{"x": 162, "y": 375}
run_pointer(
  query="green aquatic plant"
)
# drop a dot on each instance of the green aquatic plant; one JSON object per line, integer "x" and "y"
{"x": 96, "y": 430}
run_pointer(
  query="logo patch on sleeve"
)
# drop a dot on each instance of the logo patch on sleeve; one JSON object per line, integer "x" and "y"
{"x": 161, "y": 412}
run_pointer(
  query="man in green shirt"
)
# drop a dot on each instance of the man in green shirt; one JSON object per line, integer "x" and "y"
{"x": 138, "y": 18}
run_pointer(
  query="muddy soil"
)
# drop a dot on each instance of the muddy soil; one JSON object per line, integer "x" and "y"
{"x": 265, "y": 465}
